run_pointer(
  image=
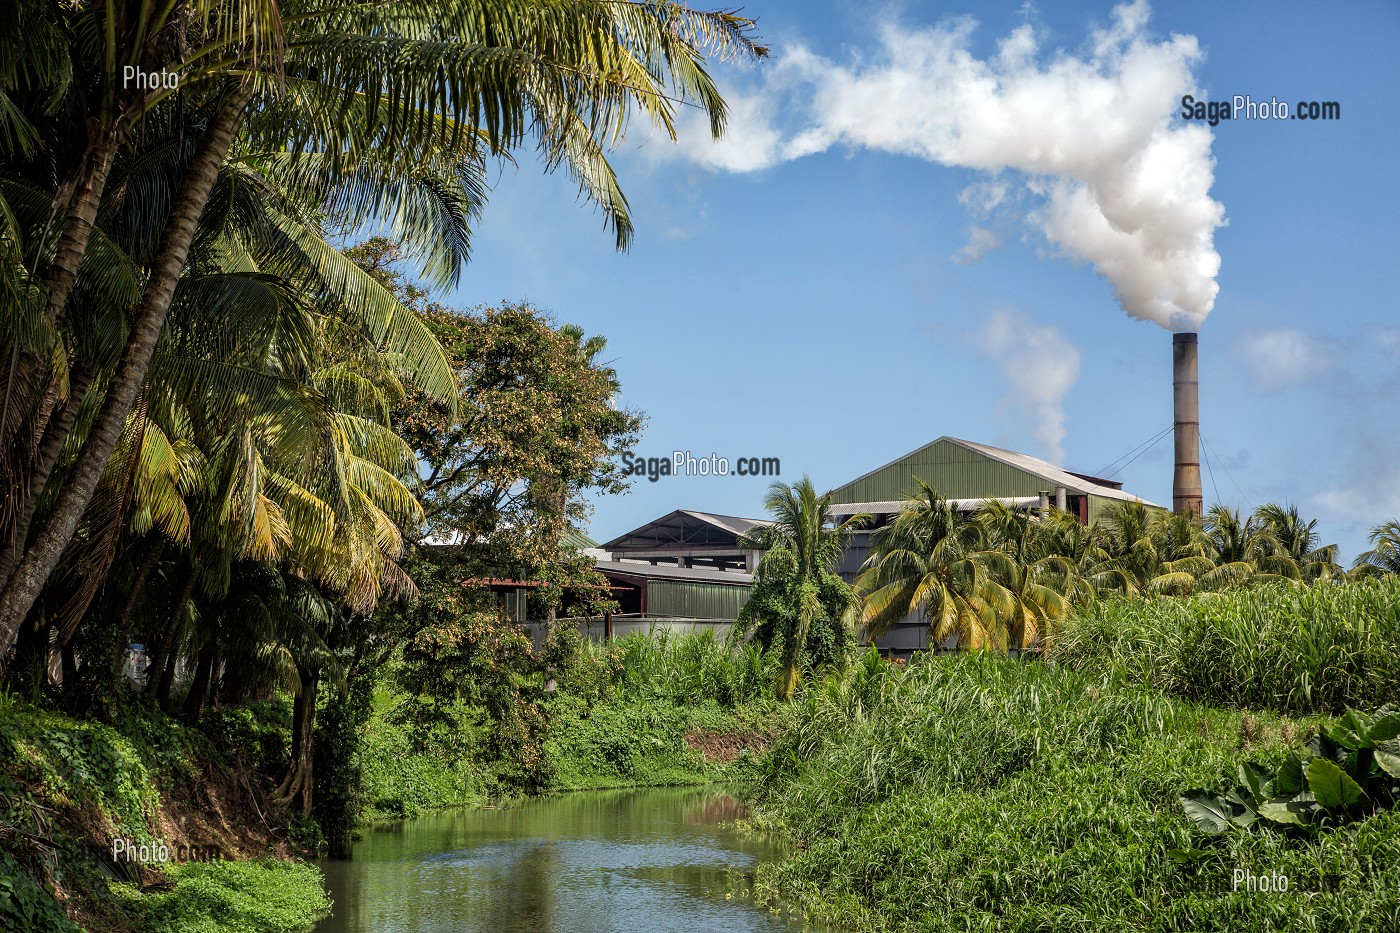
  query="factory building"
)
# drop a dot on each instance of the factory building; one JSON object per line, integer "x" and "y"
{"x": 692, "y": 565}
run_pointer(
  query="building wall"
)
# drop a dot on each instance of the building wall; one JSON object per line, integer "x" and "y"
{"x": 955, "y": 472}
{"x": 696, "y": 600}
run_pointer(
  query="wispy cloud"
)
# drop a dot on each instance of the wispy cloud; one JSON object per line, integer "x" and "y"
{"x": 1285, "y": 357}
{"x": 980, "y": 242}
{"x": 1039, "y": 365}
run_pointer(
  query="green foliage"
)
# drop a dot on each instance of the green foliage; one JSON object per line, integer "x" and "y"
{"x": 26, "y": 906}
{"x": 619, "y": 716}
{"x": 339, "y": 776}
{"x": 1350, "y": 771}
{"x": 256, "y": 735}
{"x": 976, "y": 792}
{"x": 75, "y": 765}
{"x": 1295, "y": 649}
{"x": 690, "y": 669}
{"x": 799, "y": 604}
{"x": 260, "y": 896}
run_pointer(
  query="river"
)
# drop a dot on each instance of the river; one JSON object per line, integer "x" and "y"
{"x": 655, "y": 859}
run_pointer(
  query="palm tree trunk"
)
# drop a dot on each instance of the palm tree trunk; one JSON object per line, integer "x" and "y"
{"x": 298, "y": 782}
{"x": 78, "y": 224}
{"x": 80, "y": 199}
{"x": 46, "y": 458}
{"x": 199, "y": 686}
{"x": 39, "y": 560}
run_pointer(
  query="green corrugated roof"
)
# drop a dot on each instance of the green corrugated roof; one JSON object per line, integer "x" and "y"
{"x": 577, "y": 539}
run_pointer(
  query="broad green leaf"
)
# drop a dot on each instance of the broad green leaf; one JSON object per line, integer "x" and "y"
{"x": 1209, "y": 812}
{"x": 1289, "y": 779}
{"x": 1332, "y": 786}
{"x": 1388, "y": 757}
{"x": 1294, "y": 810}
{"x": 1349, "y": 730}
{"x": 1384, "y": 729}
{"x": 1243, "y": 807}
{"x": 1255, "y": 777}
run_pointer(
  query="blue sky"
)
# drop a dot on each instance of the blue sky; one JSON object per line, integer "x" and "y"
{"x": 822, "y": 307}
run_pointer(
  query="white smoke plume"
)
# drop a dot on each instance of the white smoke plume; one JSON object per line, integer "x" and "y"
{"x": 1040, "y": 366}
{"x": 1119, "y": 180}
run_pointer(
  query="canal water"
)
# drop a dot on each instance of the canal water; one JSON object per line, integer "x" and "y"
{"x": 656, "y": 859}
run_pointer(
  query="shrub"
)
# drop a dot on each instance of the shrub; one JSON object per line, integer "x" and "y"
{"x": 262, "y": 896}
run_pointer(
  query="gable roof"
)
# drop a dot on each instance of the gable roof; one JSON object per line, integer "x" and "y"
{"x": 1074, "y": 482}
{"x": 1042, "y": 470}
{"x": 632, "y": 570}
{"x": 686, "y": 526}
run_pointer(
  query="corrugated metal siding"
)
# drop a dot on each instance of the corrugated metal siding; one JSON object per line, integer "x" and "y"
{"x": 1098, "y": 508}
{"x": 956, "y": 472}
{"x": 696, "y": 600}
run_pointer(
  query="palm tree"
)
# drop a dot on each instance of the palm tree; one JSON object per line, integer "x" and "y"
{"x": 1164, "y": 553}
{"x": 934, "y": 562}
{"x": 1028, "y": 560}
{"x": 797, "y": 600}
{"x": 566, "y": 72}
{"x": 1384, "y": 556}
{"x": 1292, "y": 549}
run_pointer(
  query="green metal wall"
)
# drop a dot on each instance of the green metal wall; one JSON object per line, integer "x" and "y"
{"x": 956, "y": 472}
{"x": 1098, "y": 508}
{"x": 696, "y": 600}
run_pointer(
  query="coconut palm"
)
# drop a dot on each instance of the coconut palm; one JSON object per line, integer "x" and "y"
{"x": 1028, "y": 560}
{"x": 932, "y": 562}
{"x": 1164, "y": 553}
{"x": 1384, "y": 554}
{"x": 798, "y": 601}
{"x": 1292, "y": 550}
{"x": 463, "y": 80}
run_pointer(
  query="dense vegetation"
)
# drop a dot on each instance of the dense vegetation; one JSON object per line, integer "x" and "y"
{"x": 640, "y": 711}
{"x": 976, "y": 792}
{"x": 222, "y": 435}
{"x": 1281, "y": 647}
{"x": 68, "y": 787}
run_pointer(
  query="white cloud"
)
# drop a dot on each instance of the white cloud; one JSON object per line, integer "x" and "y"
{"x": 980, "y": 242}
{"x": 1125, "y": 182}
{"x": 1375, "y": 498}
{"x": 750, "y": 142}
{"x": 1285, "y": 357}
{"x": 1385, "y": 339}
{"x": 1040, "y": 366}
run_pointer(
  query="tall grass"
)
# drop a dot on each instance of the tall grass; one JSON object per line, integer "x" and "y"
{"x": 1294, "y": 649}
{"x": 983, "y": 793}
{"x": 689, "y": 668}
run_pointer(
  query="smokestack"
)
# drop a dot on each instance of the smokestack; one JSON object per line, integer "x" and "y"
{"x": 1186, "y": 478}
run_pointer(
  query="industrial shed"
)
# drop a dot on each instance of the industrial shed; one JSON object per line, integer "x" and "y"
{"x": 684, "y": 592}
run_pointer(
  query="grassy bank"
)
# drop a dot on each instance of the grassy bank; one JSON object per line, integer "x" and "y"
{"x": 981, "y": 793}
{"x": 641, "y": 711}
{"x": 68, "y": 789}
